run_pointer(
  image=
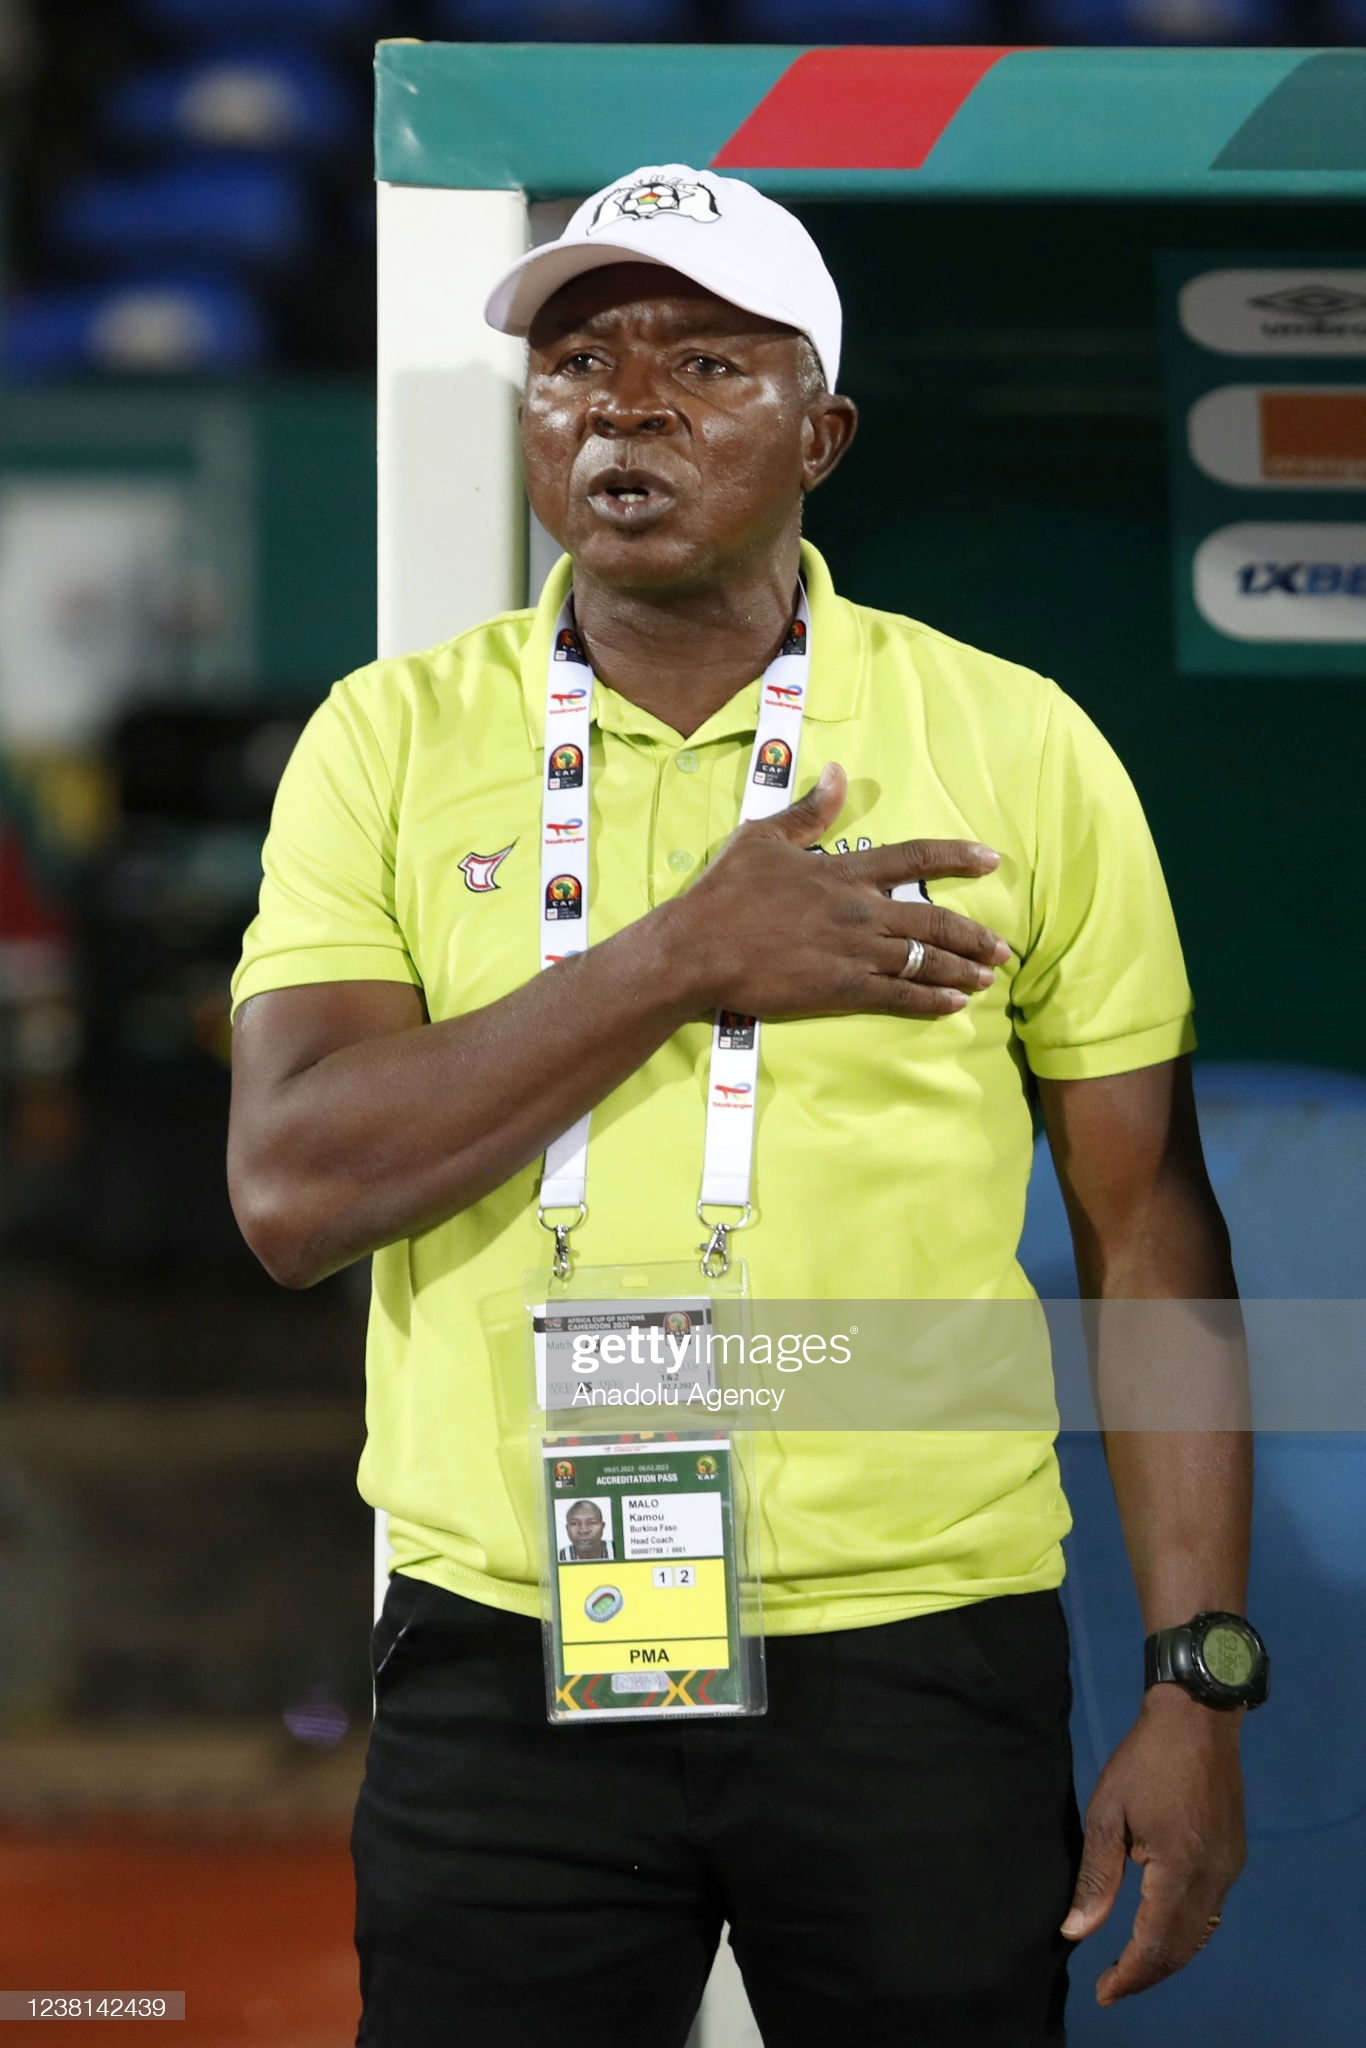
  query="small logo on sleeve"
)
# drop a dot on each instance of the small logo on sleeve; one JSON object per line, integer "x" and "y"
{"x": 480, "y": 869}
{"x": 732, "y": 1095}
{"x": 563, "y": 897}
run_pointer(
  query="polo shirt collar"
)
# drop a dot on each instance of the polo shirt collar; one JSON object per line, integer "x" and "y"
{"x": 839, "y": 666}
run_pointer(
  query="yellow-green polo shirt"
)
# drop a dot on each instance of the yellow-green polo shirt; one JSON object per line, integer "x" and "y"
{"x": 892, "y": 1156}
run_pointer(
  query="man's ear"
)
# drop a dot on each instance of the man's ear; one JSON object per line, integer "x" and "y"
{"x": 830, "y": 425}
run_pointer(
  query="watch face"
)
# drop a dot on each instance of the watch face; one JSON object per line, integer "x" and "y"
{"x": 1228, "y": 1655}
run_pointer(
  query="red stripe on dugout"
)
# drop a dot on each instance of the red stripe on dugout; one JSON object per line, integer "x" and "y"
{"x": 857, "y": 109}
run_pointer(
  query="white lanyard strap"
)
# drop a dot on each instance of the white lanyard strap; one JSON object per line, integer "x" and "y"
{"x": 733, "y": 1082}
{"x": 564, "y": 886}
{"x": 732, "y": 1089}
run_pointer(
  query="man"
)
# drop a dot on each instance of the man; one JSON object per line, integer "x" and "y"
{"x": 583, "y": 1525}
{"x": 895, "y": 1844}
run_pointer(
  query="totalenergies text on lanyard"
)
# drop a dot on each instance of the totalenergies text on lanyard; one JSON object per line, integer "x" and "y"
{"x": 732, "y": 1088}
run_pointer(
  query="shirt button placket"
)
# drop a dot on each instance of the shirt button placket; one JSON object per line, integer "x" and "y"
{"x": 681, "y": 821}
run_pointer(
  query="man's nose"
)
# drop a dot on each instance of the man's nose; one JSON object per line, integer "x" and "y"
{"x": 631, "y": 404}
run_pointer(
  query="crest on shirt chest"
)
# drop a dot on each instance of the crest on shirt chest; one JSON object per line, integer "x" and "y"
{"x": 481, "y": 869}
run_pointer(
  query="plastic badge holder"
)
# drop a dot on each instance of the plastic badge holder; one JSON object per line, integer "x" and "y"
{"x": 644, "y": 1480}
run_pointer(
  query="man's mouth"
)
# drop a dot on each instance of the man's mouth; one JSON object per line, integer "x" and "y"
{"x": 629, "y": 497}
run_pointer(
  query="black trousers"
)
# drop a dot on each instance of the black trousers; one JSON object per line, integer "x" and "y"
{"x": 893, "y": 1844}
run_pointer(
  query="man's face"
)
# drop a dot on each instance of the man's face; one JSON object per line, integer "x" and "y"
{"x": 584, "y": 1526}
{"x": 666, "y": 434}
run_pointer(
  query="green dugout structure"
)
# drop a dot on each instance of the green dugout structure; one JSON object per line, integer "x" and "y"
{"x": 1106, "y": 326}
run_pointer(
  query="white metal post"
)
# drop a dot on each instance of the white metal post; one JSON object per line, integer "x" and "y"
{"x": 452, "y": 547}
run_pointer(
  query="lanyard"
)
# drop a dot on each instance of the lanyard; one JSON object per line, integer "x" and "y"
{"x": 732, "y": 1087}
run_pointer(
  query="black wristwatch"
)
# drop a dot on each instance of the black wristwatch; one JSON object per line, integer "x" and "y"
{"x": 1218, "y": 1658}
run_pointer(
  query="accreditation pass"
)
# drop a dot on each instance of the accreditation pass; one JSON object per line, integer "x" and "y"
{"x": 644, "y": 1587}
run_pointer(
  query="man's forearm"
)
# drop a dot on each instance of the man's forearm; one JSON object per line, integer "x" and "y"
{"x": 1151, "y": 1249}
{"x": 1185, "y": 1500}
{"x": 1184, "y": 1493}
{"x": 383, "y": 1138}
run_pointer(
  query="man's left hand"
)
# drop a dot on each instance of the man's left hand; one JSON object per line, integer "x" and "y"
{"x": 1171, "y": 1797}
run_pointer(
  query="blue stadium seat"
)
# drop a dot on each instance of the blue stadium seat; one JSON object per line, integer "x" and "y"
{"x": 1287, "y": 1155}
{"x": 209, "y": 210}
{"x": 236, "y": 98}
{"x": 866, "y": 21}
{"x": 275, "y": 17}
{"x": 168, "y": 326}
{"x": 1156, "y": 21}
{"x": 562, "y": 21}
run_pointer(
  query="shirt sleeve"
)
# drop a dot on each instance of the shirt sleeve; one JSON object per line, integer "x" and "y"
{"x": 327, "y": 910}
{"x": 1102, "y": 988}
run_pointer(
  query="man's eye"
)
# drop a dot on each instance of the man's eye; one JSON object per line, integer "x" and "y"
{"x": 707, "y": 366}
{"x": 581, "y": 364}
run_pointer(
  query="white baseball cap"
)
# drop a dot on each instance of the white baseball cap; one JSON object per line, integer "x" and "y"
{"x": 719, "y": 232}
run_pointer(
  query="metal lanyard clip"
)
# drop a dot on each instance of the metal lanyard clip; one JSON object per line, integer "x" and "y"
{"x": 562, "y": 1264}
{"x": 715, "y": 1249}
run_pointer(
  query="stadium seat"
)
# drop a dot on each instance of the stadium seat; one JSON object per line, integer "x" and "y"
{"x": 210, "y": 209}
{"x": 1156, "y": 21}
{"x": 235, "y": 98}
{"x": 295, "y": 18}
{"x": 168, "y": 326}
{"x": 562, "y": 21}
{"x": 1287, "y": 1155}
{"x": 866, "y": 21}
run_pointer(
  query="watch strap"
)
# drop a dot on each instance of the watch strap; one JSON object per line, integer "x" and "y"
{"x": 1167, "y": 1656}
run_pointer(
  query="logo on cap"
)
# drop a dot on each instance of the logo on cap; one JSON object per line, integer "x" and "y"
{"x": 654, "y": 199}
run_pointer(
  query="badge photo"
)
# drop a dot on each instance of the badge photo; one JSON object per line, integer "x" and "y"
{"x": 584, "y": 1530}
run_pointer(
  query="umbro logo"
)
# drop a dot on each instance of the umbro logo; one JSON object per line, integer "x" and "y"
{"x": 480, "y": 869}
